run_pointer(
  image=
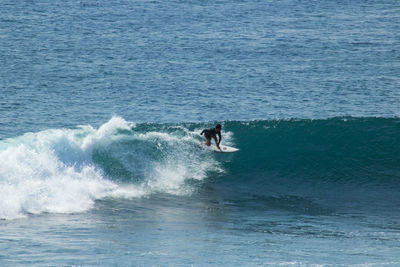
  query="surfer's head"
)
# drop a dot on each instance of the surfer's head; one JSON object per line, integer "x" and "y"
{"x": 218, "y": 127}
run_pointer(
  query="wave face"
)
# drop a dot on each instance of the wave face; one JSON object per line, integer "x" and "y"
{"x": 344, "y": 149}
{"x": 66, "y": 170}
{"x": 339, "y": 161}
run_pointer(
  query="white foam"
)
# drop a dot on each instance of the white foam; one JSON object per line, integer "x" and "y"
{"x": 36, "y": 181}
{"x": 53, "y": 170}
{"x": 105, "y": 132}
{"x": 183, "y": 160}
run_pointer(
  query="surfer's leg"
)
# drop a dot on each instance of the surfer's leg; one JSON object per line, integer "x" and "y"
{"x": 208, "y": 140}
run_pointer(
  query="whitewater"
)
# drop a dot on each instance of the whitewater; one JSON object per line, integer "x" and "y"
{"x": 66, "y": 170}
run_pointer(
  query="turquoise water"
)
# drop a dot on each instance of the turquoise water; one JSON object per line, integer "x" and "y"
{"x": 102, "y": 104}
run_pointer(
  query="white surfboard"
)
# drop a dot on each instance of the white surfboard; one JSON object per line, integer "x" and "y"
{"x": 225, "y": 149}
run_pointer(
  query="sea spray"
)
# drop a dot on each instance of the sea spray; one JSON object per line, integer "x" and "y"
{"x": 66, "y": 170}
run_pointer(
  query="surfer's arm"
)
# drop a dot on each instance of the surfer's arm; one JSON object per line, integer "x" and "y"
{"x": 220, "y": 138}
{"x": 216, "y": 142}
{"x": 202, "y": 132}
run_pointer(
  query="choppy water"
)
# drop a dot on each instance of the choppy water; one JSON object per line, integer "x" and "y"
{"x": 102, "y": 102}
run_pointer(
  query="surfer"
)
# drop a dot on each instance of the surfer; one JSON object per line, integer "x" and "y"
{"x": 212, "y": 133}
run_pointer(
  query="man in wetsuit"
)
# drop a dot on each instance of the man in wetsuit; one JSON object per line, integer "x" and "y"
{"x": 212, "y": 133}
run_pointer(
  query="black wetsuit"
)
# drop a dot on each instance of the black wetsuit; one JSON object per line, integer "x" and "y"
{"x": 210, "y": 133}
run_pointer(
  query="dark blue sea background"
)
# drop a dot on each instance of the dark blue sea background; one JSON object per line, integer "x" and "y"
{"x": 102, "y": 103}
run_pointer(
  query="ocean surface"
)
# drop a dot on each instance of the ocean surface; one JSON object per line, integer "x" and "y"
{"x": 102, "y": 103}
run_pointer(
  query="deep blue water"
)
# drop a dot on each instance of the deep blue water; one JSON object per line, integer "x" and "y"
{"x": 102, "y": 102}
